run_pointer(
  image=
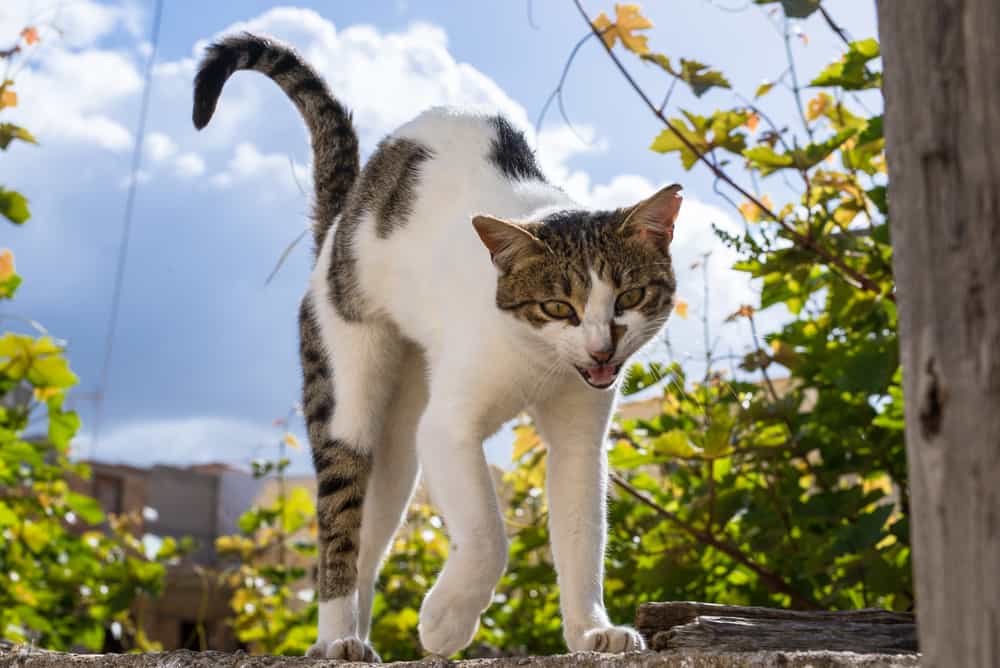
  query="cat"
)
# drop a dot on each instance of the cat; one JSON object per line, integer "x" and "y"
{"x": 453, "y": 289}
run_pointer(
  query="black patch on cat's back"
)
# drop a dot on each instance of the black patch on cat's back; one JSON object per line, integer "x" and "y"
{"x": 511, "y": 154}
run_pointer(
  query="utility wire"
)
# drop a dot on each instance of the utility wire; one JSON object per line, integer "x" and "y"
{"x": 140, "y": 134}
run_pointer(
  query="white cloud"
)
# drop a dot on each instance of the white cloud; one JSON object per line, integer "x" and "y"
{"x": 386, "y": 78}
{"x": 185, "y": 441}
{"x": 249, "y": 164}
{"x": 189, "y": 165}
{"x": 73, "y": 96}
{"x": 75, "y": 24}
{"x": 159, "y": 146}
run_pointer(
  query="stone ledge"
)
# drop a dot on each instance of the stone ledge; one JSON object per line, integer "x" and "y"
{"x": 20, "y": 657}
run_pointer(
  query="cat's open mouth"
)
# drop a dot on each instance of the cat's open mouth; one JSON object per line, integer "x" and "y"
{"x": 601, "y": 376}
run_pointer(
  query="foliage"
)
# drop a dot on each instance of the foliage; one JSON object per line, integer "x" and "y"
{"x": 69, "y": 575}
{"x": 272, "y": 601}
{"x": 784, "y": 486}
{"x": 785, "y": 490}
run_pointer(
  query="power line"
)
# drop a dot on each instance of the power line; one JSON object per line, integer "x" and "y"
{"x": 140, "y": 134}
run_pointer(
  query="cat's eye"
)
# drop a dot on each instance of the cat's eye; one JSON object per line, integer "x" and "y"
{"x": 557, "y": 309}
{"x": 629, "y": 299}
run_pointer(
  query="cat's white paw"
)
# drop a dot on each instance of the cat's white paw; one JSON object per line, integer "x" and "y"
{"x": 448, "y": 621}
{"x": 610, "y": 639}
{"x": 350, "y": 648}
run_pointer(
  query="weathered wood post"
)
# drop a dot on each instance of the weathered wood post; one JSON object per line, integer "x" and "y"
{"x": 942, "y": 120}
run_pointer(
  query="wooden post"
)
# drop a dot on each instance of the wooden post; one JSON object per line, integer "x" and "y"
{"x": 942, "y": 121}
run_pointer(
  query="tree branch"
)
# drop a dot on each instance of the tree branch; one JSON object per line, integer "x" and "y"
{"x": 773, "y": 581}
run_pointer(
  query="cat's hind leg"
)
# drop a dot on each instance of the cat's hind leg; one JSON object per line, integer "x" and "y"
{"x": 392, "y": 479}
{"x": 350, "y": 370}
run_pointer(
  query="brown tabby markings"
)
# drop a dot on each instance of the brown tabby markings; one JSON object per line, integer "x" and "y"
{"x": 341, "y": 471}
{"x": 578, "y": 242}
{"x": 386, "y": 188}
{"x": 334, "y": 142}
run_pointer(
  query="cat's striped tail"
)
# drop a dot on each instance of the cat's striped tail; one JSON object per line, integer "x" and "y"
{"x": 334, "y": 141}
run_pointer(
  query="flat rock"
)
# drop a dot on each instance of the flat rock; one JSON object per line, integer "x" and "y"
{"x": 21, "y": 657}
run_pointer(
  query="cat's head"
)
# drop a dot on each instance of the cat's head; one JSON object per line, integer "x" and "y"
{"x": 594, "y": 286}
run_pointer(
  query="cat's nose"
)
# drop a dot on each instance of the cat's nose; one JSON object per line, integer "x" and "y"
{"x": 601, "y": 356}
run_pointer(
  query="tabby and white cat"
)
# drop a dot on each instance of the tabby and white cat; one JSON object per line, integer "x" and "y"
{"x": 453, "y": 289}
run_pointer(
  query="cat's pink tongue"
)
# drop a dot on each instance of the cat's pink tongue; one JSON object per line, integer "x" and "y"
{"x": 601, "y": 375}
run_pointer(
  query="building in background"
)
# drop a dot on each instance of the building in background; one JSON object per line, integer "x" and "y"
{"x": 203, "y": 502}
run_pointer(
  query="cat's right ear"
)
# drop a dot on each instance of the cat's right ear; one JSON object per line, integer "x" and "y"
{"x": 507, "y": 242}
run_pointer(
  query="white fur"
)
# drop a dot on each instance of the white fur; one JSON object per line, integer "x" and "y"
{"x": 434, "y": 286}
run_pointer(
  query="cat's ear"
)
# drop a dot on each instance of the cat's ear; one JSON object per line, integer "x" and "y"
{"x": 507, "y": 242}
{"x": 652, "y": 219}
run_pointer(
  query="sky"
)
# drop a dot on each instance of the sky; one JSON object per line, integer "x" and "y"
{"x": 205, "y": 354}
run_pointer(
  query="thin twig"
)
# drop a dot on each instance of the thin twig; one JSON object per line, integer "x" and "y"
{"x": 557, "y": 93}
{"x": 772, "y": 580}
{"x": 796, "y": 89}
{"x": 529, "y": 7}
{"x": 670, "y": 90}
{"x": 841, "y": 33}
{"x": 849, "y": 274}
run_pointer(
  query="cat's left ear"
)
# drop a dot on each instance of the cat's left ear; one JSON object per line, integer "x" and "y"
{"x": 652, "y": 219}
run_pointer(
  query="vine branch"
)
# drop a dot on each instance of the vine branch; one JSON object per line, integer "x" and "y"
{"x": 848, "y": 273}
{"x": 773, "y": 581}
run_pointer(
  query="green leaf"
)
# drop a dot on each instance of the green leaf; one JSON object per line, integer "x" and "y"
{"x": 851, "y": 71}
{"x": 675, "y": 443}
{"x": 62, "y": 427}
{"x": 35, "y": 535}
{"x": 249, "y": 521}
{"x": 51, "y": 371}
{"x": 9, "y": 132}
{"x": 767, "y": 160}
{"x": 699, "y": 76}
{"x": 13, "y": 206}
{"x": 668, "y": 142}
{"x": 704, "y": 134}
{"x": 763, "y": 89}
{"x": 9, "y": 286}
{"x": 7, "y": 516}
{"x": 85, "y": 507}
{"x": 298, "y": 510}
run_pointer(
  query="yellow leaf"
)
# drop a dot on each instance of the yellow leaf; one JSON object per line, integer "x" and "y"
{"x": 752, "y": 121}
{"x": 752, "y": 212}
{"x": 525, "y": 440}
{"x": 30, "y": 35}
{"x": 764, "y": 88}
{"x": 8, "y": 99}
{"x": 818, "y": 105}
{"x": 6, "y": 264}
{"x": 628, "y": 19}
{"x": 44, "y": 393}
{"x": 681, "y": 308}
{"x": 603, "y": 25}
{"x": 291, "y": 441}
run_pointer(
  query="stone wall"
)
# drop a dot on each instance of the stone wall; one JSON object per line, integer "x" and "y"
{"x": 19, "y": 657}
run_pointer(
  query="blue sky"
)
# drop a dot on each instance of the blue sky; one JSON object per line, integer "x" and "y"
{"x": 205, "y": 353}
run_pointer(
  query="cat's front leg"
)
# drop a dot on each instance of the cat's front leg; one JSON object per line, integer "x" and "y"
{"x": 574, "y": 425}
{"x": 449, "y": 443}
